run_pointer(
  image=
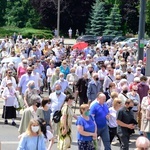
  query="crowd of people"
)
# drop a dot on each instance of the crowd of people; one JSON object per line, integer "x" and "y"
{"x": 106, "y": 80}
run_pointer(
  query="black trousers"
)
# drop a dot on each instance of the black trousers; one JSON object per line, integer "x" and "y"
{"x": 113, "y": 133}
{"x": 124, "y": 142}
{"x": 83, "y": 100}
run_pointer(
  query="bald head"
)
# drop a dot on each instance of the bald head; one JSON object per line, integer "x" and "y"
{"x": 101, "y": 98}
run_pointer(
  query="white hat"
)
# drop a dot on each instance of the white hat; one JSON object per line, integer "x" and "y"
{"x": 9, "y": 81}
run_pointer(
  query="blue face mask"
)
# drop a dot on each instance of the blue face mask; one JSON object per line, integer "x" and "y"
{"x": 32, "y": 86}
{"x": 58, "y": 92}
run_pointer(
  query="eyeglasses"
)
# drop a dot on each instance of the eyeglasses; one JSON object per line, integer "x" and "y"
{"x": 9, "y": 72}
{"x": 119, "y": 102}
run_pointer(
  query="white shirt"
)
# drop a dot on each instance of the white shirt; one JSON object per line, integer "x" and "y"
{"x": 56, "y": 101}
{"x": 64, "y": 84}
{"x": 80, "y": 72}
{"x": 130, "y": 77}
{"x": 102, "y": 74}
{"x": 50, "y": 71}
{"x": 112, "y": 120}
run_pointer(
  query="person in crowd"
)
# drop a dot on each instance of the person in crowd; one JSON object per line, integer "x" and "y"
{"x": 99, "y": 110}
{"x": 81, "y": 69}
{"x": 94, "y": 87}
{"x": 130, "y": 75}
{"x": 46, "y": 105}
{"x": 144, "y": 105}
{"x": 64, "y": 133}
{"x": 143, "y": 89}
{"x": 30, "y": 113}
{"x": 110, "y": 101}
{"x": 55, "y": 77}
{"x": 81, "y": 87}
{"x": 33, "y": 138}
{"x": 57, "y": 99}
{"x": 136, "y": 99}
{"x": 6, "y": 78}
{"x": 64, "y": 68}
{"x": 86, "y": 129}
{"x": 63, "y": 82}
{"x": 102, "y": 73}
{"x": 111, "y": 88}
{"x": 30, "y": 91}
{"x": 9, "y": 108}
{"x": 126, "y": 123}
{"x": 108, "y": 79}
{"x": 22, "y": 85}
{"x": 49, "y": 73}
{"x": 72, "y": 79}
{"x": 142, "y": 143}
{"x": 123, "y": 94}
{"x": 112, "y": 124}
{"x": 48, "y": 136}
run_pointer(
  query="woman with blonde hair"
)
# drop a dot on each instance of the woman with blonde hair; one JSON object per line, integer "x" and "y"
{"x": 33, "y": 138}
{"x": 112, "y": 124}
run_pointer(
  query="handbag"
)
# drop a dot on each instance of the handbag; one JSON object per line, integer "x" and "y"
{"x": 57, "y": 115}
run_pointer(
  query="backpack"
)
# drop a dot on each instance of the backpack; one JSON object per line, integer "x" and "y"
{"x": 57, "y": 115}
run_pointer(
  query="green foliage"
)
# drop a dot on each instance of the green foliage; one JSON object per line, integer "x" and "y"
{"x": 113, "y": 22}
{"x": 148, "y": 17}
{"x": 96, "y": 22}
{"x": 3, "y": 5}
{"x": 26, "y": 32}
{"x": 21, "y": 14}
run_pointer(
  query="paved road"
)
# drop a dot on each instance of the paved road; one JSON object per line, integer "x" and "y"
{"x": 9, "y": 134}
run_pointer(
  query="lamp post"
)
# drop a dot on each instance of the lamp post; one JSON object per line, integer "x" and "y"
{"x": 58, "y": 18}
{"x": 141, "y": 29}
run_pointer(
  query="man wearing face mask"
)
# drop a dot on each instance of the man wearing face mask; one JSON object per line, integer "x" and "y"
{"x": 129, "y": 75}
{"x": 94, "y": 87}
{"x": 57, "y": 100}
{"x": 31, "y": 112}
{"x": 64, "y": 83}
{"x": 126, "y": 124}
{"x": 22, "y": 85}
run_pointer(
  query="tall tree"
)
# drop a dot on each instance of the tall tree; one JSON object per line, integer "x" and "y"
{"x": 113, "y": 22}
{"x": 98, "y": 19}
{"x": 3, "y": 5}
{"x": 148, "y": 18}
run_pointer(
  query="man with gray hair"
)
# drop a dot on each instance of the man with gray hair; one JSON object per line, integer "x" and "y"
{"x": 30, "y": 113}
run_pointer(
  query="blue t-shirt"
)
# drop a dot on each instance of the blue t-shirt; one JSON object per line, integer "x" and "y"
{"x": 88, "y": 126}
{"x": 100, "y": 112}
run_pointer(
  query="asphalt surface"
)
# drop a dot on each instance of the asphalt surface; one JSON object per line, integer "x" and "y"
{"x": 9, "y": 134}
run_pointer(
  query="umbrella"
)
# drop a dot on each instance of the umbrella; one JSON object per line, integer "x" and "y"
{"x": 80, "y": 45}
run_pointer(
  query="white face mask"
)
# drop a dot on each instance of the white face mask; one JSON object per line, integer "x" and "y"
{"x": 61, "y": 78}
{"x": 35, "y": 128}
{"x": 48, "y": 105}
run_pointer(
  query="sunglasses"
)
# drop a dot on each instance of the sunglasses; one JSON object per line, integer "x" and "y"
{"x": 119, "y": 102}
{"x": 9, "y": 72}
{"x": 135, "y": 90}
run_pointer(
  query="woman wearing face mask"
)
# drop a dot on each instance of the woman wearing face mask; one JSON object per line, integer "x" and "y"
{"x": 22, "y": 69}
{"x": 64, "y": 133}
{"x": 64, "y": 69}
{"x": 48, "y": 136}
{"x": 136, "y": 99}
{"x": 46, "y": 109}
{"x": 31, "y": 90}
{"x": 33, "y": 138}
{"x": 86, "y": 129}
{"x": 9, "y": 110}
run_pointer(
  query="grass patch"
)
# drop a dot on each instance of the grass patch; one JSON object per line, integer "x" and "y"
{"x": 25, "y": 32}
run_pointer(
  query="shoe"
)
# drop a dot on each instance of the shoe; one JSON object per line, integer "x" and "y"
{"x": 6, "y": 122}
{"x": 13, "y": 123}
